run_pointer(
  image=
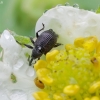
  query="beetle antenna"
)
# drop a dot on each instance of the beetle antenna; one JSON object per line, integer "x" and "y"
{"x": 40, "y": 30}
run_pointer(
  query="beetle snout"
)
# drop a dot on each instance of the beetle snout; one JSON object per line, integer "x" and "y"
{"x": 36, "y": 53}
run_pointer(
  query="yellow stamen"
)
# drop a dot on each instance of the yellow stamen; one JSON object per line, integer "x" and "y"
{"x": 94, "y": 87}
{"x": 98, "y": 48}
{"x": 40, "y": 64}
{"x": 79, "y": 42}
{"x": 43, "y": 75}
{"x": 57, "y": 97}
{"x": 69, "y": 46}
{"x": 87, "y": 98}
{"x": 41, "y": 95}
{"x": 90, "y": 43}
{"x": 95, "y": 98}
{"x": 51, "y": 55}
{"x": 71, "y": 90}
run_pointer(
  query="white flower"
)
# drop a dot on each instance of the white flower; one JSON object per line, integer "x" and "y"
{"x": 15, "y": 62}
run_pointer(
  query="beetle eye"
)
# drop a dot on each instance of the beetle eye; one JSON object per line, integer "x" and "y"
{"x": 40, "y": 49}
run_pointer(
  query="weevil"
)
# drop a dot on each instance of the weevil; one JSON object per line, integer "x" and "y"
{"x": 43, "y": 44}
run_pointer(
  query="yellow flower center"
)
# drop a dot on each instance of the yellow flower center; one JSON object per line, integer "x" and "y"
{"x": 70, "y": 74}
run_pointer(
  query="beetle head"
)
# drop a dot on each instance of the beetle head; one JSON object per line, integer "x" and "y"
{"x": 37, "y": 52}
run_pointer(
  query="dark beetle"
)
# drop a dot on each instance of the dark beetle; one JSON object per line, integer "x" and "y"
{"x": 43, "y": 44}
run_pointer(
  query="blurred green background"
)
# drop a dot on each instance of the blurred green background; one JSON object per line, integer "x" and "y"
{"x": 21, "y": 16}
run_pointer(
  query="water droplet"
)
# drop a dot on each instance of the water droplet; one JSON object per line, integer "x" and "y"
{"x": 67, "y": 4}
{"x": 76, "y": 5}
{"x": 59, "y": 5}
{"x": 30, "y": 72}
{"x": 45, "y": 11}
{"x": 6, "y": 34}
{"x": 17, "y": 94}
{"x": 18, "y": 65}
{"x": 92, "y": 10}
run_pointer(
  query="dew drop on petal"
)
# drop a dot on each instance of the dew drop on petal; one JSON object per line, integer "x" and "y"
{"x": 59, "y": 5}
{"x": 45, "y": 11}
{"x": 6, "y": 34}
{"x": 30, "y": 72}
{"x": 5, "y": 39}
{"x": 19, "y": 64}
{"x": 92, "y": 10}
{"x": 67, "y": 4}
{"x": 18, "y": 95}
{"x": 76, "y": 6}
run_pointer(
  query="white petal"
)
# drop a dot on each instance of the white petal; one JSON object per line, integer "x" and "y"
{"x": 5, "y": 71}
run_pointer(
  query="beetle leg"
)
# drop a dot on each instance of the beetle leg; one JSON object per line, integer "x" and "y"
{"x": 35, "y": 61}
{"x": 57, "y": 44}
{"x": 19, "y": 42}
{"x": 29, "y": 46}
{"x": 32, "y": 40}
{"x": 37, "y": 35}
{"x": 28, "y": 58}
{"x": 30, "y": 62}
